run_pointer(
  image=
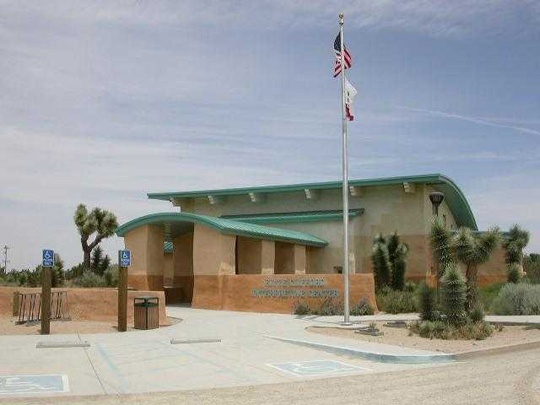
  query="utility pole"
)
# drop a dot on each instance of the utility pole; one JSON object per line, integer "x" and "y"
{"x": 6, "y": 261}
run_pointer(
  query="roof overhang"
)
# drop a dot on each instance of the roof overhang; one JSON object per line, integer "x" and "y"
{"x": 177, "y": 223}
{"x": 454, "y": 197}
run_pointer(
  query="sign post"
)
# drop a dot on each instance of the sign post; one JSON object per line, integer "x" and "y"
{"x": 46, "y": 281}
{"x": 124, "y": 261}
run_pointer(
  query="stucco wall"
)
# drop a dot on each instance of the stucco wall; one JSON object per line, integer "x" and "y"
{"x": 258, "y": 292}
{"x": 213, "y": 253}
{"x": 88, "y": 304}
{"x": 249, "y": 255}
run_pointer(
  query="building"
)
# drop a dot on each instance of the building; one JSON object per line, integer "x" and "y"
{"x": 268, "y": 248}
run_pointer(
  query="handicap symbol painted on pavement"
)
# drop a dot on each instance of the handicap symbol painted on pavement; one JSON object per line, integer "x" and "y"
{"x": 33, "y": 384}
{"x": 316, "y": 367}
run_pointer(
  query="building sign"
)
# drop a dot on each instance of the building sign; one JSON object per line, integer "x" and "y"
{"x": 295, "y": 288}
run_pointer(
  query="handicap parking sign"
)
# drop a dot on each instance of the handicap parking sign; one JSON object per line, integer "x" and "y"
{"x": 48, "y": 258}
{"x": 124, "y": 258}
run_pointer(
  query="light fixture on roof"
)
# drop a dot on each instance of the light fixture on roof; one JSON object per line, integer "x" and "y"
{"x": 436, "y": 198}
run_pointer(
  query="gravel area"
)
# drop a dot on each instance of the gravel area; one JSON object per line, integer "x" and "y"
{"x": 510, "y": 335}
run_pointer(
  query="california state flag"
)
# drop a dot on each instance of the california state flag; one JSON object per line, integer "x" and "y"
{"x": 350, "y": 93}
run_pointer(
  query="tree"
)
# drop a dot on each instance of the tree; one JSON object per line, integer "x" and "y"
{"x": 381, "y": 262}
{"x": 98, "y": 262}
{"x": 474, "y": 250}
{"x": 100, "y": 222}
{"x": 514, "y": 244}
{"x": 453, "y": 295}
{"x": 389, "y": 261}
{"x": 441, "y": 246}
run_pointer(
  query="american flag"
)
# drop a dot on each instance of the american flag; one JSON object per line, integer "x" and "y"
{"x": 337, "y": 51}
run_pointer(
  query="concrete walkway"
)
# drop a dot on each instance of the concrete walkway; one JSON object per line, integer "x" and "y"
{"x": 213, "y": 349}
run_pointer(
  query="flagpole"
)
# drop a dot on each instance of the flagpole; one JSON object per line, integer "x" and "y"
{"x": 345, "y": 188}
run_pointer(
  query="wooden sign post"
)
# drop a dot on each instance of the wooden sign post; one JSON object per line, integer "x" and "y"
{"x": 46, "y": 283}
{"x": 124, "y": 261}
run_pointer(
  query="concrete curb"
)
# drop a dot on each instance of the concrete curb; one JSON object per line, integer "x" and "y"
{"x": 373, "y": 356}
{"x": 497, "y": 350}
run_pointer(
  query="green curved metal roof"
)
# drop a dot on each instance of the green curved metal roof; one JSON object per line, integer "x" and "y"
{"x": 454, "y": 197}
{"x": 226, "y": 226}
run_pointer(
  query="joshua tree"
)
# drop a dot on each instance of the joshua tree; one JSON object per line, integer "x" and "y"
{"x": 441, "y": 246}
{"x": 381, "y": 262}
{"x": 100, "y": 222}
{"x": 453, "y": 295}
{"x": 473, "y": 251}
{"x": 389, "y": 261}
{"x": 514, "y": 244}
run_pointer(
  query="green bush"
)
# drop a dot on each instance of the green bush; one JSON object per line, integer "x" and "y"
{"x": 477, "y": 314}
{"x": 362, "y": 308}
{"x": 111, "y": 276}
{"x": 329, "y": 307}
{"x": 446, "y": 331}
{"x": 453, "y": 295}
{"x": 89, "y": 280}
{"x": 396, "y": 302}
{"x": 517, "y": 299}
{"x": 426, "y": 302}
{"x": 302, "y": 308}
{"x": 513, "y": 272}
{"x": 488, "y": 294}
{"x": 531, "y": 266}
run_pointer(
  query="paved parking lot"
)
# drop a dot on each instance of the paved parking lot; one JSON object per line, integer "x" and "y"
{"x": 213, "y": 349}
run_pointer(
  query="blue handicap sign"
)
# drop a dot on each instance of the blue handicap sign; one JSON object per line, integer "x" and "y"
{"x": 124, "y": 258}
{"x": 33, "y": 384}
{"x": 48, "y": 258}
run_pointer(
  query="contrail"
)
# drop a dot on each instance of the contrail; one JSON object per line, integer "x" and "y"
{"x": 473, "y": 119}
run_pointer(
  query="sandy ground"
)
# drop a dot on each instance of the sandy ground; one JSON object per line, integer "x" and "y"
{"x": 510, "y": 335}
{"x": 8, "y": 327}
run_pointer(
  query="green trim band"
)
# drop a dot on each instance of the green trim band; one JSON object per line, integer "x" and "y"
{"x": 225, "y": 226}
{"x": 294, "y": 217}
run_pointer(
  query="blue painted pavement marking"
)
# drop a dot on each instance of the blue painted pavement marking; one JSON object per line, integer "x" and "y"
{"x": 316, "y": 367}
{"x": 33, "y": 384}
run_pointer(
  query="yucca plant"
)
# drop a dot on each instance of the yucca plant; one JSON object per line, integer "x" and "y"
{"x": 453, "y": 295}
{"x": 474, "y": 250}
{"x": 441, "y": 246}
{"x": 516, "y": 240}
{"x": 381, "y": 262}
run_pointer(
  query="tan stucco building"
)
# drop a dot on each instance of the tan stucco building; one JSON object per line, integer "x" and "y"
{"x": 267, "y": 248}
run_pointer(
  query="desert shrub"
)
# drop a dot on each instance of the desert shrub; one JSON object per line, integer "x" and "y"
{"x": 410, "y": 286}
{"x": 446, "y": 331}
{"x": 362, "y": 308}
{"x": 302, "y": 308}
{"x": 488, "y": 294}
{"x": 426, "y": 302}
{"x": 111, "y": 276}
{"x": 517, "y": 299}
{"x": 477, "y": 314}
{"x": 453, "y": 295}
{"x": 396, "y": 302}
{"x": 531, "y": 266}
{"x": 329, "y": 307}
{"x": 513, "y": 273}
{"x": 89, "y": 280}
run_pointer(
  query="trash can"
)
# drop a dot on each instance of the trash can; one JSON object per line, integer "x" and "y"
{"x": 146, "y": 313}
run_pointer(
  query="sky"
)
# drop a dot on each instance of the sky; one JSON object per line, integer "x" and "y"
{"x": 104, "y": 101}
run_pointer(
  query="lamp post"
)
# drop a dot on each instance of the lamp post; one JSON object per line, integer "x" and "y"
{"x": 436, "y": 198}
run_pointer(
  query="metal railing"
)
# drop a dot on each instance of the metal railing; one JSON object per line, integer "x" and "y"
{"x": 29, "y": 306}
